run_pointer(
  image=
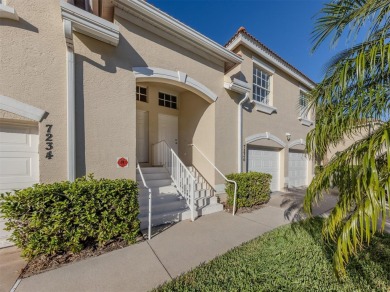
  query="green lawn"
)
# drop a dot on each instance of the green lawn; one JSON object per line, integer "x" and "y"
{"x": 290, "y": 258}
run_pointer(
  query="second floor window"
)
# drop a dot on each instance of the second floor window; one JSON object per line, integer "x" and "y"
{"x": 261, "y": 86}
{"x": 302, "y": 104}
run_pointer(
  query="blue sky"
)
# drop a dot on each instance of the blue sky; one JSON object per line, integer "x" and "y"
{"x": 283, "y": 25}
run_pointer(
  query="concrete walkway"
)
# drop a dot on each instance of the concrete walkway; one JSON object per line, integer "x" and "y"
{"x": 178, "y": 249}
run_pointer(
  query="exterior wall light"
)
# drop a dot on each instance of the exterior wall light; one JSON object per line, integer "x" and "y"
{"x": 288, "y": 136}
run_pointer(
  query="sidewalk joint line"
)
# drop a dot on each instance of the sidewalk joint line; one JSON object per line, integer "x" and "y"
{"x": 159, "y": 260}
{"x": 257, "y": 222}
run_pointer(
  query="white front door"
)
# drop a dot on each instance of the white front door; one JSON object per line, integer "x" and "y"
{"x": 19, "y": 161}
{"x": 266, "y": 161}
{"x": 297, "y": 169}
{"x": 168, "y": 130}
{"x": 142, "y": 136}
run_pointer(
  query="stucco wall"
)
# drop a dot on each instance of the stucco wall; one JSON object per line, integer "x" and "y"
{"x": 32, "y": 62}
{"x": 147, "y": 49}
{"x": 33, "y": 71}
{"x": 285, "y": 95}
{"x": 197, "y": 127}
{"x": 105, "y": 108}
{"x": 362, "y": 132}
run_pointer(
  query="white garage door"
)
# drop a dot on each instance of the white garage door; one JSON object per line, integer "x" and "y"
{"x": 297, "y": 169}
{"x": 266, "y": 161}
{"x": 19, "y": 161}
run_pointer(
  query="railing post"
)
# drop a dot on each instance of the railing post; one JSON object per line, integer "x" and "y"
{"x": 228, "y": 180}
{"x": 150, "y": 215}
{"x": 192, "y": 200}
{"x": 150, "y": 202}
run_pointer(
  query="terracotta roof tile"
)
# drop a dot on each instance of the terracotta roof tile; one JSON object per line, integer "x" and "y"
{"x": 243, "y": 31}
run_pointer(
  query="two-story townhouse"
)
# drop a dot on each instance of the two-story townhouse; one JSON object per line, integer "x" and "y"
{"x": 274, "y": 120}
{"x": 97, "y": 86}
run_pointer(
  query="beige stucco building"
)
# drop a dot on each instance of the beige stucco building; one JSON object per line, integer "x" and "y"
{"x": 83, "y": 85}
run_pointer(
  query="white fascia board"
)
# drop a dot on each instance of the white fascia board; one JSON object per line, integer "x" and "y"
{"x": 238, "y": 86}
{"x": 8, "y": 12}
{"x": 90, "y": 24}
{"x": 160, "y": 18}
{"x": 261, "y": 52}
{"x": 20, "y": 108}
{"x": 263, "y": 65}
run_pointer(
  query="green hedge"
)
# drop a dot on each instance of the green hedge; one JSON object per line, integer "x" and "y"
{"x": 253, "y": 188}
{"x": 60, "y": 217}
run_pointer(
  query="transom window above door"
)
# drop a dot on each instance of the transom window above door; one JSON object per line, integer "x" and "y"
{"x": 167, "y": 100}
{"x": 261, "y": 85}
{"x": 141, "y": 94}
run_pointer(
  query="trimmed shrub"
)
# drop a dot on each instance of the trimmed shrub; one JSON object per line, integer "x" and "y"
{"x": 253, "y": 188}
{"x": 54, "y": 218}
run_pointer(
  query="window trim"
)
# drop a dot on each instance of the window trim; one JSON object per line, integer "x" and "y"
{"x": 303, "y": 117}
{"x": 139, "y": 93}
{"x": 267, "y": 89}
{"x": 267, "y": 108}
{"x": 170, "y": 101}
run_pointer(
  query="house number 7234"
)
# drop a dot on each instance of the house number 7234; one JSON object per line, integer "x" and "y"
{"x": 49, "y": 142}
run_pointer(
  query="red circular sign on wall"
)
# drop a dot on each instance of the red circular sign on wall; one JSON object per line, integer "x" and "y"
{"x": 122, "y": 162}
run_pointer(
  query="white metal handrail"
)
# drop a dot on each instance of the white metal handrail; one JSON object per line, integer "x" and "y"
{"x": 150, "y": 202}
{"x": 180, "y": 174}
{"x": 225, "y": 178}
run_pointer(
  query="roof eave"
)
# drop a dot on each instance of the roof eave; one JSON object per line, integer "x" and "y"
{"x": 151, "y": 13}
{"x": 240, "y": 39}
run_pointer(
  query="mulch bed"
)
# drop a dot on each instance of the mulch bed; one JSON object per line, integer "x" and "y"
{"x": 45, "y": 263}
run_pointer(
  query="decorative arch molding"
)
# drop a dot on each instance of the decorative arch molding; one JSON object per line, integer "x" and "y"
{"x": 266, "y": 135}
{"x": 22, "y": 109}
{"x": 296, "y": 142}
{"x": 174, "y": 77}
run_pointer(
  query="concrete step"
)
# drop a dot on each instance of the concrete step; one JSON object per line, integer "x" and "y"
{"x": 156, "y": 183}
{"x": 153, "y": 169}
{"x": 178, "y": 215}
{"x": 165, "y": 217}
{"x": 167, "y": 204}
{"x": 201, "y": 186}
{"x": 161, "y": 206}
{"x": 203, "y": 193}
{"x": 157, "y": 190}
{"x": 152, "y": 176}
{"x": 159, "y": 199}
{"x": 210, "y": 209}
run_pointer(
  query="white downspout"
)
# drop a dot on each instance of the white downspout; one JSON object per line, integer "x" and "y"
{"x": 71, "y": 104}
{"x": 239, "y": 132}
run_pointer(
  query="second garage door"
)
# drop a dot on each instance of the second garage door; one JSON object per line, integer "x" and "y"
{"x": 19, "y": 161}
{"x": 297, "y": 169}
{"x": 267, "y": 161}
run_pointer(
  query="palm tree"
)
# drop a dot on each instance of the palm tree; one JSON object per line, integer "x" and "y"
{"x": 353, "y": 94}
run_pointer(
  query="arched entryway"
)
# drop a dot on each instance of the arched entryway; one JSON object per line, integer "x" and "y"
{"x": 173, "y": 107}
